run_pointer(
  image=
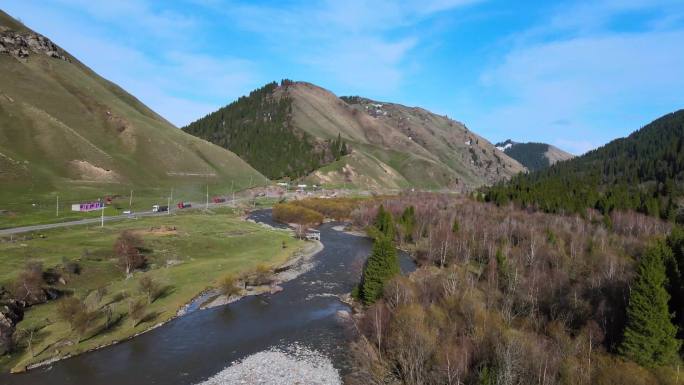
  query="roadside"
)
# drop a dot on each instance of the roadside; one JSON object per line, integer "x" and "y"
{"x": 111, "y": 218}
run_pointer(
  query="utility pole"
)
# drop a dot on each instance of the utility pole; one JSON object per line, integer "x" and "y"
{"x": 250, "y": 181}
{"x": 102, "y": 217}
{"x": 232, "y": 189}
{"x": 168, "y": 206}
{"x": 130, "y": 200}
{"x": 170, "y": 200}
{"x": 207, "y": 206}
{"x": 57, "y": 205}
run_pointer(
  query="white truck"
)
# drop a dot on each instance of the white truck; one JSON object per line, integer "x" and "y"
{"x": 159, "y": 209}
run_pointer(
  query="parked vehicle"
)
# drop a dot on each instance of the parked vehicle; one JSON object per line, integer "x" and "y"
{"x": 128, "y": 212}
{"x": 218, "y": 200}
{"x": 183, "y": 205}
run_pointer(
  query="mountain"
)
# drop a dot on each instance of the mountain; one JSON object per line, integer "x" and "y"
{"x": 64, "y": 128}
{"x": 534, "y": 156}
{"x": 643, "y": 171}
{"x": 299, "y": 130}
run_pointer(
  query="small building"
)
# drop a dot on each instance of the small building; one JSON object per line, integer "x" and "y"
{"x": 312, "y": 235}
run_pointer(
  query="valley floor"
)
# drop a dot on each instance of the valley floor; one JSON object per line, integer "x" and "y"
{"x": 187, "y": 254}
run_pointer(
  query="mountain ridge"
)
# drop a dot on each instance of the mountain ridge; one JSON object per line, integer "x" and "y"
{"x": 642, "y": 172}
{"x": 390, "y": 147}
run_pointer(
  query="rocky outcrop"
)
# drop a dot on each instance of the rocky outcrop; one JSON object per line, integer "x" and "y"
{"x": 22, "y": 45}
{"x": 11, "y": 312}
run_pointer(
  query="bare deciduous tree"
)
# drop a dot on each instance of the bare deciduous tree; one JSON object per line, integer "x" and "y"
{"x": 127, "y": 249}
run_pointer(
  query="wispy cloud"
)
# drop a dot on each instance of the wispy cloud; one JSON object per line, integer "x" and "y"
{"x": 148, "y": 52}
{"x": 360, "y": 44}
{"x": 594, "y": 78}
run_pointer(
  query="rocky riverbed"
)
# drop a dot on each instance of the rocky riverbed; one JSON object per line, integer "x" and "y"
{"x": 284, "y": 366}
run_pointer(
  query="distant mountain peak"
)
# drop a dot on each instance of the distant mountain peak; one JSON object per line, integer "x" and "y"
{"x": 534, "y": 156}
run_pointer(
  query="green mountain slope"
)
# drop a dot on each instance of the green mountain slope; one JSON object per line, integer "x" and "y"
{"x": 534, "y": 156}
{"x": 259, "y": 128}
{"x": 352, "y": 141}
{"x": 643, "y": 171}
{"x": 64, "y": 128}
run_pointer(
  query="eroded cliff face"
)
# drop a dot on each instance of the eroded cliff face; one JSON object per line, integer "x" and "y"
{"x": 23, "y": 44}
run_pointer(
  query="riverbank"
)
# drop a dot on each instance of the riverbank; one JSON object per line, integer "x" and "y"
{"x": 195, "y": 245}
{"x": 299, "y": 264}
{"x": 344, "y": 229}
{"x": 210, "y": 298}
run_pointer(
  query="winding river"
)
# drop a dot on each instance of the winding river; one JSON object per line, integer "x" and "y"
{"x": 196, "y": 346}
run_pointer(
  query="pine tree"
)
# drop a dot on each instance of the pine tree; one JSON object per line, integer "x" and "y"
{"x": 674, "y": 266}
{"x": 384, "y": 223}
{"x": 456, "y": 226}
{"x": 503, "y": 270}
{"x": 649, "y": 336}
{"x": 380, "y": 267}
{"x": 408, "y": 222}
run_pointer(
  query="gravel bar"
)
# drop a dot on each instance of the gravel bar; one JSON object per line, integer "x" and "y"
{"x": 276, "y": 366}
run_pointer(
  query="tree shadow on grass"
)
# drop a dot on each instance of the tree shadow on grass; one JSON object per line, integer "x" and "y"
{"x": 149, "y": 317}
{"x": 115, "y": 322}
{"x": 164, "y": 292}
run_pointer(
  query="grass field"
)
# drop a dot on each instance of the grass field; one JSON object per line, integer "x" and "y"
{"x": 188, "y": 253}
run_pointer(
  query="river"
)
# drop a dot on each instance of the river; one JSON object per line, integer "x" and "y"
{"x": 192, "y": 348}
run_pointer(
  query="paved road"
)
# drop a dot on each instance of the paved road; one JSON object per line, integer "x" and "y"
{"x": 47, "y": 226}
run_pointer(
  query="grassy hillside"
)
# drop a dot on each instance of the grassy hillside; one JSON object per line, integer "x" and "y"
{"x": 643, "y": 171}
{"x": 534, "y": 156}
{"x": 352, "y": 141}
{"x": 65, "y": 130}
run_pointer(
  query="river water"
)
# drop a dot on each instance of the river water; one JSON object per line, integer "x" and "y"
{"x": 196, "y": 346}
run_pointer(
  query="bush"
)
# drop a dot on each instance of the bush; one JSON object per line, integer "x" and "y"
{"x": 335, "y": 208}
{"x": 228, "y": 286}
{"x": 71, "y": 267}
{"x": 262, "y": 275}
{"x": 292, "y": 213}
{"x": 619, "y": 372}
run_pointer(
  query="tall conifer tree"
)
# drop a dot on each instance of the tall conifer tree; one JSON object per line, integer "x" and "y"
{"x": 649, "y": 336}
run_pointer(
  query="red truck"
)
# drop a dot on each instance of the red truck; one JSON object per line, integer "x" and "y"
{"x": 183, "y": 205}
{"x": 218, "y": 200}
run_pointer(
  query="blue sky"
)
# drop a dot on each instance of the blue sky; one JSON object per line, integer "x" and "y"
{"x": 575, "y": 74}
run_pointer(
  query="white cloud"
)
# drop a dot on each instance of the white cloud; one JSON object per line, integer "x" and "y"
{"x": 354, "y": 42}
{"x": 603, "y": 84}
{"x": 171, "y": 78}
{"x": 135, "y": 15}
